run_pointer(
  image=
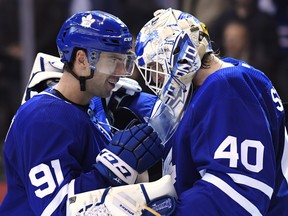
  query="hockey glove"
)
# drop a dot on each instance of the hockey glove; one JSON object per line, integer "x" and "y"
{"x": 125, "y": 91}
{"x": 131, "y": 152}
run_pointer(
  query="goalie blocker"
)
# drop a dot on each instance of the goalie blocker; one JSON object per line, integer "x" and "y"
{"x": 147, "y": 199}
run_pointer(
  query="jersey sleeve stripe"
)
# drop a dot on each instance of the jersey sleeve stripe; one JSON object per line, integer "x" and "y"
{"x": 233, "y": 194}
{"x": 71, "y": 192}
{"x": 53, "y": 205}
{"x": 284, "y": 161}
{"x": 246, "y": 180}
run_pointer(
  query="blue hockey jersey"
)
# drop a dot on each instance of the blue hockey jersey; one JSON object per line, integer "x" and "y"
{"x": 49, "y": 152}
{"x": 229, "y": 154}
{"x": 50, "y": 149}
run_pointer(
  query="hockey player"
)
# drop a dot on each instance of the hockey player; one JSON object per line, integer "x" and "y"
{"x": 229, "y": 152}
{"x": 51, "y": 147}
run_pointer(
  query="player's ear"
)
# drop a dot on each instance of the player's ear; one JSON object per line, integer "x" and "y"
{"x": 81, "y": 57}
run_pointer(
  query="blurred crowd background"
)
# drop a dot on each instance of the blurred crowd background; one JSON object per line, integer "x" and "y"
{"x": 255, "y": 31}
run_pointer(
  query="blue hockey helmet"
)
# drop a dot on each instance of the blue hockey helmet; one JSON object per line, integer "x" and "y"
{"x": 94, "y": 31}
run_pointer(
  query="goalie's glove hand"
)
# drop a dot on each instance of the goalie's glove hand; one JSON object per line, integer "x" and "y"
{"x": 160, "y": 206}
{"x": 131, "y": 152}
{"x": 146, "y": 199}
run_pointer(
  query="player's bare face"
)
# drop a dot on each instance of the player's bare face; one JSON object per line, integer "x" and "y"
{"x": 101, "y": 84}
{"x": 109, "y": 68}
{"x": 108, "y": 71}
{"x": 117, "y": 64}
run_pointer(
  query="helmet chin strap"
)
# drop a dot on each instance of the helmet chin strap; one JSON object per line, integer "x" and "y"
{"x": 82, "y": 79}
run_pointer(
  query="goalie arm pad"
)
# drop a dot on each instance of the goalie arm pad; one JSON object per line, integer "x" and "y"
{"x": 138, "y": 199}
{"x": 46, "y": 71}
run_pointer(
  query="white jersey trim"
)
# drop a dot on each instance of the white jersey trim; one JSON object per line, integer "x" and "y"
{"x": 245, "y": 180}
{"x": 54, "y": 204}
{"x": 232, "y": 193}
{"x": 71, "y": 192}
{"x": 284, "y": 161}
{"x": 47, "y": 93}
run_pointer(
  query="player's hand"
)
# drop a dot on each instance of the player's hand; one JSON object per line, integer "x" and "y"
{"x": 131, "y": 152}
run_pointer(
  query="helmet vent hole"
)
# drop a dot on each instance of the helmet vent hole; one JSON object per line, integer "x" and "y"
{"x": 183, "y": 61}
{"x": 64, "y": 35}
{"x": 176, "y": 50}
{"x": 115, "y": 41}
{"x": 109, "y": 30}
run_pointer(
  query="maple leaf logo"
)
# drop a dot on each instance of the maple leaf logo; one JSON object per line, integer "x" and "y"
{"x": 87, "y": 21}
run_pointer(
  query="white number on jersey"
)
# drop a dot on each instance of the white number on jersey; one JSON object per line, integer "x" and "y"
{"x": 41, "y": 175}
{"x": 277, "y": 99}
{"x": 233, "y": 156}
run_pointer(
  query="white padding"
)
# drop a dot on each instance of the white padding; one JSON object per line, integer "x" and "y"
{"x": 121, "y": 200}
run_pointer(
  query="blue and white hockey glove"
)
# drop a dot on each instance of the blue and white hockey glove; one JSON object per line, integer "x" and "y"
{"x": 160, "y": 206}
{"x": 117, "y": 105}
{"x": 131, "y": 152}
{"x": 145, "y": 199}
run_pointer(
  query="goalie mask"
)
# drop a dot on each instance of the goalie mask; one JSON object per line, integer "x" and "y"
{"x": 169, "y": 50}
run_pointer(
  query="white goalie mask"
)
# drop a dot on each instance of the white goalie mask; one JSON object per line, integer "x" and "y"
{"x": 169, "y": 50}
